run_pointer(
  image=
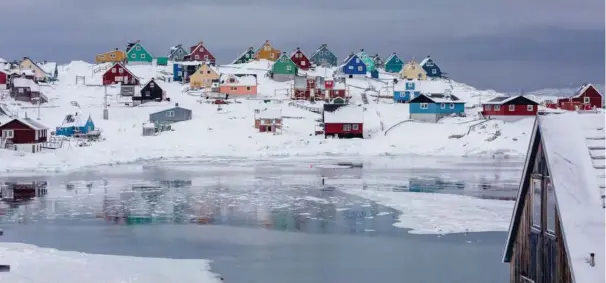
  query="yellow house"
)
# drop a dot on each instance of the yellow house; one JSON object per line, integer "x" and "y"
{"x": 111, "y": 56}
{"x": 413, "y": 70}
{"x": 267, "y": 52}
{"x": 28, "y": 64}
{"x": 204, "y": 77}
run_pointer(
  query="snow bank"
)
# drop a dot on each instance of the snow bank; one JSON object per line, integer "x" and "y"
{"x": 426, "y": 213}
{"x": 32, "y": 264}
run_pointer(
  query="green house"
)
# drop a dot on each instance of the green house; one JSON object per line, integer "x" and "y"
{"x": 284, "y": 66}
{"x": 393, "y": 64}
{"x": 162, "y": 61}
{"x": 245, "y": 57}
{"x": 370, "y": 64}
{"x": 135, "y": 53}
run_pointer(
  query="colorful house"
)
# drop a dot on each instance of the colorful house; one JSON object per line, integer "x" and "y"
{"x": 23, "y": 134}
{"x": 183, "y": 70}
{"x": 238, "y": 84}
{"x": 75, "y": 124}
{"x": 324, "y": 57}
{"x": 115, "y": 55}
{"x": 300, "y": 59}
{"x": 433, "y": 107}
{"x": 27, "y": 64}
{"x": 4, "y": 79}
{"x": 137, "y": 54}
{"x": 267, "y": 52}
{"x": 509, "y": 108}
{"x": 284, "y": 69}
{"x": 370, "y": 64}
{"x": 586, "y": 97}
{"x": 199, "y": 52}
{"x": 245, "y": 57}
{"x": 204, "y": 77}
{"x": 150, "y": 92}
{"x": 352, "y": 66}
{"x": 176, "y": 53}
{"x": 413, "y": 70}
{"x": 118, "y": 73}
{"x": 378, "y": 61}
{"x": 393, "y": 64}
{"x": 343, "y": 120}
{"x": 431, "y": 69}
{"x": 406, "y": 90}
{"x": 268, "y": 120}
{"x": 24, "y": 89}
{"x": 556, "y": 233}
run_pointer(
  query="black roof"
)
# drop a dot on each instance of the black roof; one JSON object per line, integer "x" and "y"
{"x": 331, "y": 107}
{"x": 498, "y": 99}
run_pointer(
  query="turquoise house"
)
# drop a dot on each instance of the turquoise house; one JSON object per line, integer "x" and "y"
{"x": 393, "y": 64}
{"x": 75, "y": 124}
{"x": 136, "y": 53}
{"x": 368, "y": 61}
{"x": 433, "y": 107}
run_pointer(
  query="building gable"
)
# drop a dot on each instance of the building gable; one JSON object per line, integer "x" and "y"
{"x": 422, "y": 99}
{"x": 520, "y": 100}
{"x": 394, "y": 60}
{"x": 137, "y": 53}
{"x": 245, "y": 57}
{"x": 284, "y": 65}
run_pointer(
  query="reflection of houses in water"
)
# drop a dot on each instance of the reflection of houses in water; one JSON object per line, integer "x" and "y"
{"x": 20, "y": 191}
{"x": 135, "y": 206}
{"x": 433, "y": 184}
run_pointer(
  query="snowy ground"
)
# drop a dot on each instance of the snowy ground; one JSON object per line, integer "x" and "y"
{"x": 32, "y": 264}
{"x": 230, "y": 132}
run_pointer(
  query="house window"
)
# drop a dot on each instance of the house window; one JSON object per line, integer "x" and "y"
{"x": 138, "y": 48}
{"x": 8, "y": 134}
{"x": 288, "y": 68}
{"x": 267, "y": 48}
{"x": 142, "y": 56}
{"x": 551, "y": 207}
{"x": 346, "y": 127}
{"x": 201, "y": 49}
{"x": 208, "y": 72}
{"x": 113, "y": 70}
{"x": 529, "y": 108}
{"x": 587, "y": 99}
{"x": 170, "y": 114}
{"x": 355, "y": 127}
{"x": 112, "y": 55}
{"x": 302, "y": 63}
{"x": 283, "y": 59}
{"x": 247, "y": 55}
{"x": 134, "y": 56}
{"x": 434, "y": 71}
{"x": 234, "y": 88}
{"x": 351, "y": 67}
{"x": 443, "y": 106}
{"x": 20, "y": 90}
{"x": 452, "y": 106}
{"x": 512, "y": 108}
{"x": 148, "y": 93}
{"x": 424, "y": 105}
{"x": 197, "y": 57}
{"x": 206, "y": 57}
{"x": 410, "y": 86}
{"x": 120, "y": 70}
{"x": 101, "y": 56}
{"x": 536, "y": 201}
{"x": 397, "y": 60}
{"x": 247, "y": 88}
{"x": 359, "y": 68}
{"x": 357, "y": 60}
{"x": 497, "y": 108}
{"x": 271, "y": 56}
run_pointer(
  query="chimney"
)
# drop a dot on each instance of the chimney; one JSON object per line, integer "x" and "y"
{"x": 116, "y": 48}
{"x": 266, "y": 41}
{"x": 201, "y": 43}
{"x": 324, "y": 45}
{"x": 362, "y": 50}
{"x": 284, "y": 53}
{"x": 298, "y": 48}
{"x": 176, "y": 104}
{"x": 592, "y": 259}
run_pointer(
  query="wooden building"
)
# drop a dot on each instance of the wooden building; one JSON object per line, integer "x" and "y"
{"x": 268, "y": 120}
{"x": 23, "y": 134}
{"x": 115, "y": 55}
{"x": 343, "y": 120}
{"x": 509, "y": 108}
{"x": 150, "y": 92}
{"x": 299, "y": 58}
{"x": 267, "y": 52}
{"x": 118, "y": 73}
{"x": 557, "y": 228}
{"x": 246, "y": 56}
{"x": 238, "y": 84}
{"x": 4, "y": 76}
{"x": 324, "y": 57}
{"x": 413, "y": 70}
{"x": 24, "y": 89}
{"x": 204, "y": 77}
{"x": 200, "y": 53}
{"x": 28, "y": 64}
{"x": 587, "y": 97}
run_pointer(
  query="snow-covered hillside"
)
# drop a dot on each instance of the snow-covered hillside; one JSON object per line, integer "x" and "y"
{"x": 230, "y": 132}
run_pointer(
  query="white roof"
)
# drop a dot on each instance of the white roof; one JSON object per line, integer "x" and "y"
{"x": 444, "y": 98}
{"x": 242, "y": 54}
{"x": 2, "y": 60}
{"x": 275, "y": 113}
{"x": 23, "y": 82}
{"x": 27, "y": 72}
{"x": 338, "y": 85}
{"x": 424, "y": 61}
{"x": 245, "y": 80}
{"x": 77, "y": 121}
{"x": 583, "y": 89}
{"x": 574, "y": 149}
{"x": 31, "y": 123}
{"x": 149, "y": 126}
{"x": 424, "y": 86}
{"x": 48, "y": 67}
{"x": 345, "y": 114}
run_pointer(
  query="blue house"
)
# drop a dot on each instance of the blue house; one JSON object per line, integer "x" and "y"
{"x": 405, "y": 90}
{"x": 75, "y": 124}
{"x": 352, "y": 66}
{"x": 430, "y": 67}
{"x": 393, "y": 64}
{"x": 182, "y": 70}
{"x": 323, "y": 57}
{"x": 177, "y": 72}
{"x": 433, "y": 107}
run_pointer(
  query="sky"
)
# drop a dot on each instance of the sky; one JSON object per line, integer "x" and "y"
{"x": 510, "y": 46}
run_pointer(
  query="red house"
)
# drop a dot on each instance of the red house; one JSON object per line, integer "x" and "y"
{"x": 3, "y": 79}
{"x": 300, "y": 59}
{"x": 119, "y": 74}
{"x": 318, "y": 88}
{"x": 343, "y": 120}
{"x": 509, "y": 108}
{"x": 23, "y": 134}
{"x": 587, "y": 97}
{"x": 200, "y": 53}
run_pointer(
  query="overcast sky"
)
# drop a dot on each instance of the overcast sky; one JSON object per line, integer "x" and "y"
{"x": 512, "y": 45}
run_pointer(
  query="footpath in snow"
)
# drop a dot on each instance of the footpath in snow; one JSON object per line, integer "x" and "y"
{"x": 32, "y": 264}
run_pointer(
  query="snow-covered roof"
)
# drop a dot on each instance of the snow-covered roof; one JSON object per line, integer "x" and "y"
{"x": 422, "y": 63}
{"x": 75, "y": 120}
{"x": 345, "y": 114}
{"x": 174, "y": 49}
{"x": 424, "y": 86}
{"x": 242, "y": 54}
{"x": 583, "y": 89}
{"x": 499, "y": 100}
{"x": 295, "y": 52}
{"x": 27, "y": 72}
{"x": 48, "y": 67}
{"x": 442, "y": 98}
{"x": 272, "y": 113}
{"x": 149, "y": 126}
{"x": 2, "y": 60}
{"x": 323, "y": 46}
{"x": 574, "y": 149}
{"x": 391, "y": 56}
{"x": 32, "y": 123}
{"x": 245, "y": 80}
{"x": 23, "y": 82}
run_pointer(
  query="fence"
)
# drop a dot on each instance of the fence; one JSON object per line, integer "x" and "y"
{"x": 316, "y": 110}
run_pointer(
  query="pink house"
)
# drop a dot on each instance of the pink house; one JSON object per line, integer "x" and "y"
{"x": 238, "y": 84}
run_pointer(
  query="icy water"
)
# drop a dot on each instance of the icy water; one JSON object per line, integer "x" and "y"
{"x": 268, "y": 221}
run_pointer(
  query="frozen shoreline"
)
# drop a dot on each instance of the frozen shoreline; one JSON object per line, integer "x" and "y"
{"x": 33, "y": 264}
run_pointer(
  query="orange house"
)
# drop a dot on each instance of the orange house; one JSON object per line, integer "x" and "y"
{"x": 267, "y": 52}
{"x": 111, "y": 56}
{"x": 236, "y": 84}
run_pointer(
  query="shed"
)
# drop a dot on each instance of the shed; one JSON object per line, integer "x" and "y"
{"x": 150, "y": 92}
{"x": 149, "y": 129}
{"x": 510, "y": 108}
{"x": 162, "y": 61}
{"x": 75, "y": 124}
{"x": 268, "y": 120}
{"x": 172, "y": 115}
{"x": 343, "y": 120}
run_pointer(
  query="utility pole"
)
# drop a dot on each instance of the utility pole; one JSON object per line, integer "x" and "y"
{"x": 105, "y": 110}
{"x": 4, "y": 267}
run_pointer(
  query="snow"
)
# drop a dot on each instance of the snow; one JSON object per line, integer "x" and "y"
{"x": 23, "y": 82}
{"x": 233, "y": 125}
{"x": 424, "y": 86}
{"x": 577, "y": 188}
{"x": 345, "y": 114}
{"x": 275, "y": 113}
{"x": 239, "y": 80}
{"x": 48, "y": 67}
{"x": 428, "y": 213}
{"x": 32, "y": 264}
{"x": 78, "y": 121}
